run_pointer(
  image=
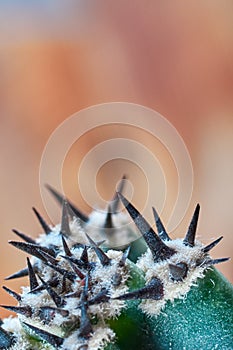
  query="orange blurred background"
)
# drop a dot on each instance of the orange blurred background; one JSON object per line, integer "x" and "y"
{"x": 59, "y": 57}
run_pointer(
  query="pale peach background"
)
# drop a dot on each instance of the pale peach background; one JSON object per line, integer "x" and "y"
{"x": 58, "y": 57}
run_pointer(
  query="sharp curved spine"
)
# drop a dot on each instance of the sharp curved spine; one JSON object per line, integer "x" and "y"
{"x": 115, "y": 202}
{"x": 157, "y": 247}
{"x": 42, "y": 222}
{"x": 12, "y": 293}
{"x": 189, "y": 239}
{"x": 104, "y": 259}
{"x": 58, "y": 300}
{"x": 18, "y": 274}
{"x": 24, "y": 237}
{"x": 153, "y": 290}
{"x": 160, "y": 227}
{"x": 59, "y": 198}
{"x": 32, "y": 276}
{"x": 210, "y": 246}
{"x": 50, "y": 338}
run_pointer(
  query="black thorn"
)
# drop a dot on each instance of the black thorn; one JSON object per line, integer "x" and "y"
{"x": 50, "y": 338}
{"x": 84, "y": 256}
{"x": 65, "y": 226}
{"x": 76, "y": 270}
{"x": 50, "y": 251}
{"x": 59, "y": 301}
{"x": 32, "y": 276}
{"x": 104, "y": 259}
{"x": 18, "y": 274}
{"x": 101, "y": 297}
{"x": 158, "y": 248}
{"x": 116, "y": 201}
{"x": 24, "y": 237}
{"x": 65, "y": 247}
{"x": 28, "y": 248}
{"x": 63, "y": 285}
{"x": 69, "y": 275}
{"x": 46, "y": 250}
{"x": 210, "y": 246}
{"x": 12, "y": 293}
{"x": 85, "y": 328}
{"x": 160, "y": 227}
{"x": 38, "y": 289}
{"x": 77, "y": 262}
{"x": 59, "y": 198}
{"x": 108, "y": 220}
{"x": 214, "y": 261}
{"x": 47, "y": 257}
{"x": 53, "y": 283}
{"x": 124, "y": 257}
{"x": 189, "y": 239}
{"x": 179, "y": 271}
{"x": 153, "y": 290}
{"x": 42, "y": 222}
{"x": 23, "y": 310}
{"x": 6, "y": 339}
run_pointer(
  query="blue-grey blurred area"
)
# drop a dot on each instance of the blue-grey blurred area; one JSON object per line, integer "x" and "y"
{"x": 57, "y": 57}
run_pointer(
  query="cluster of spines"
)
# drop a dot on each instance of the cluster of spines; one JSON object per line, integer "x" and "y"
{"x": 46, "y": 313}
{"x": 153, "y": 290}
{"x": 48, "y": 256}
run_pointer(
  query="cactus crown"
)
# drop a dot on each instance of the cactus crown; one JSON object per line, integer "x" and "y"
{"x": 77, "y": 284}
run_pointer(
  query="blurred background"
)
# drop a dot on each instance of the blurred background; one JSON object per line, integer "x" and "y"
{"x": 58, "y": 57}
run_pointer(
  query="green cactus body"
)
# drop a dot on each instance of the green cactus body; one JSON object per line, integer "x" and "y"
{"x": 202, "y": 320}
{"x": 85, "y": 295}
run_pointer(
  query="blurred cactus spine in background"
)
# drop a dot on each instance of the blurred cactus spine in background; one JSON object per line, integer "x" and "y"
{"x": 90, "y": 289}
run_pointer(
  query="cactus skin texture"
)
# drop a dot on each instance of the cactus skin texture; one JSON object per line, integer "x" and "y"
{"x": 155, "y": 294}
{"x": 206, "y": 317}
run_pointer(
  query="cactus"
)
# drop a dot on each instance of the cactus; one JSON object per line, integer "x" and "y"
{"x": 155, "y": 293}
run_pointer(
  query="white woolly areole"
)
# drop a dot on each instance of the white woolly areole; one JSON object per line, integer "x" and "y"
{"x": 100, "y": 337}
{"x": 102, "y": 275}
{"x": 11, "y": 324}
{"x": 172, "y": 289}
{"x": 53, "y": 238}
{"x": 33, "y": 300}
